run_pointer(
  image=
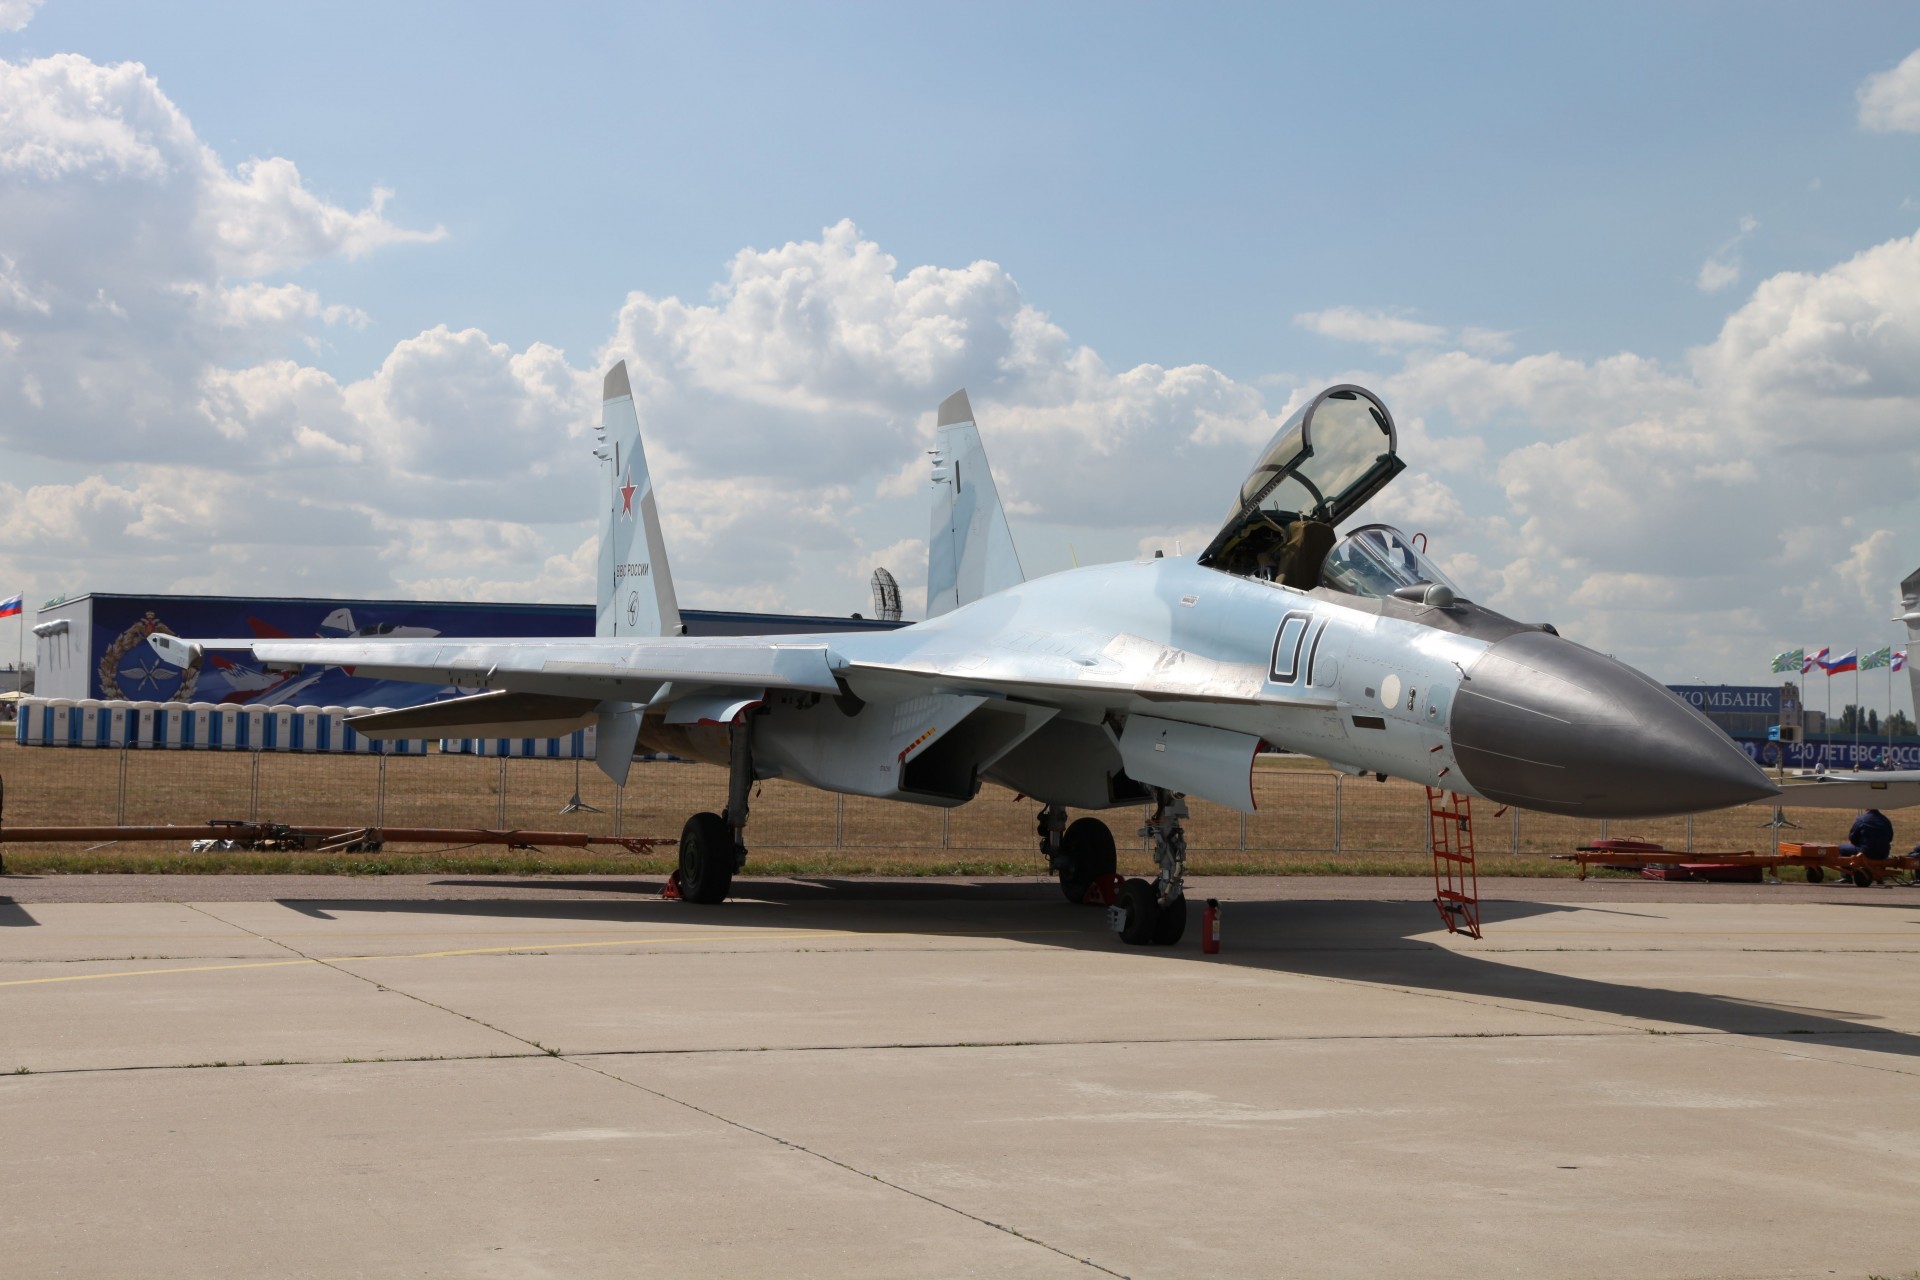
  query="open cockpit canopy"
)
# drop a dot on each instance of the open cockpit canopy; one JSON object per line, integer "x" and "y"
{"x": 1321, "y": 466}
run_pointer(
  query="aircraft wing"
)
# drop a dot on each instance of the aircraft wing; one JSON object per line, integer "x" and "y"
{"x": 629, "y": 668}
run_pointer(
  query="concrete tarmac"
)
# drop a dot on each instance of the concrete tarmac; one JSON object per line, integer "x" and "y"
{"x": 475, "y": 1077}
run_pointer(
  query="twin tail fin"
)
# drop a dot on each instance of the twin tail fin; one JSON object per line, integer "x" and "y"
{"x": 635, "y": 594}
{"x": 970, "y": 552}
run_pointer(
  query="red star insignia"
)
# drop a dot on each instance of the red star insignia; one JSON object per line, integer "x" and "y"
{"x": 626, "y": 492}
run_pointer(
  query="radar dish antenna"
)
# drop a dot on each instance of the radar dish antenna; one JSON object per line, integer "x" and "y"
{"x": 886, "y": 596}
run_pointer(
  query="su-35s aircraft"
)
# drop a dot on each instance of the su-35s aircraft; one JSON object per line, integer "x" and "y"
{"x": 1116, "y": 685}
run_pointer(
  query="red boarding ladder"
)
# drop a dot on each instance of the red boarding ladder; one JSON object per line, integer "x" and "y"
{"x": 1456, "y": 885}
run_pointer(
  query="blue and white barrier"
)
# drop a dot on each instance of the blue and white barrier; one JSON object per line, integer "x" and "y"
{"x": 577, "y": 745}
{"x": 199, "y": 726}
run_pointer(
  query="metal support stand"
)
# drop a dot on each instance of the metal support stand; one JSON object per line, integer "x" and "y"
{"x": 1773, "y": 825}
{"x": 1169, "y": 843}
{"x": 576, "y": 804}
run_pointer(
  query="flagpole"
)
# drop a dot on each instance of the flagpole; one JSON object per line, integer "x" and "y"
{"x": 1857, "y": 712}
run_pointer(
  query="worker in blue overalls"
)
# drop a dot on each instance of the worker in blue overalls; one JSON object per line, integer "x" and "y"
{"x": 1872, "y": 835}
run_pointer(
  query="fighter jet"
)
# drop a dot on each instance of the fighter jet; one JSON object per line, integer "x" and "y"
{"x": 1119, "y": 685}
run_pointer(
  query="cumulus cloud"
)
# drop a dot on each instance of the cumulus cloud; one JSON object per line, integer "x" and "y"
{"x": 1722, "y": 267}
{"x": 1375, "y": 328}
{"x": 146, "y": 316}
{"x": 134, "y": 265}
{"x": 1890, "y": 100}
{"x": 1762, "y": 493}
{"x": 806, "y": 385}
{"x": 1391, "y": 331}
{"x": 1716, "y": 273}
{"x": 15, "y": 14}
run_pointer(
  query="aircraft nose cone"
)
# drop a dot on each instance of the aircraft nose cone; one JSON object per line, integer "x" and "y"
{"x": 1545, "y": 724}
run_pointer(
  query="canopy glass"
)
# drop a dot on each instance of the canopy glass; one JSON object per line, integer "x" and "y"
{"x": 1377, "y": 560}
{"x": 1321, "y": 466}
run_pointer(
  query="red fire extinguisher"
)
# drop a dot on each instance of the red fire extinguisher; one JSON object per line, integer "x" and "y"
{"x": 1210, "y": 928}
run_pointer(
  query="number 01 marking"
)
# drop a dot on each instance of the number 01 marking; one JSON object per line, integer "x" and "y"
{"x": 1287, "y": 643}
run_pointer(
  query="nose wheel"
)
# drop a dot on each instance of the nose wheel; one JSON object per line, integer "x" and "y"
{"x": 1154, "y": 913}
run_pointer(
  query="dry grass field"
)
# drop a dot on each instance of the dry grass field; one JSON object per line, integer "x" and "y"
{"x": 1311, "y": 820}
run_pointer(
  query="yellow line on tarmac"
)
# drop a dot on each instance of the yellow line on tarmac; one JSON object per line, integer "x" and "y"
{"x": 533, "y": 946}
{"x": 141, "y": 973}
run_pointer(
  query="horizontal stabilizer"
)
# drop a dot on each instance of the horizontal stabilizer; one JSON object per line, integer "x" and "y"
{"x": 486, "y": 715}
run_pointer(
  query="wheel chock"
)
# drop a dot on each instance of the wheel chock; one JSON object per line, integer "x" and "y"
{"x": 671, "y": 892}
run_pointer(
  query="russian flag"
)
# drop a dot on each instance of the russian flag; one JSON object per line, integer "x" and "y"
{"x": 10, "y": 607}
{"x": 1848, "y": 661}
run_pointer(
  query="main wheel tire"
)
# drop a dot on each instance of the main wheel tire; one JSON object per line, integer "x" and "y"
{"x": 1143, "y": 911}
{"x": 1086, "y": 854}
{"x": 707, "y": 858}
{"x": 1170, "y": 922}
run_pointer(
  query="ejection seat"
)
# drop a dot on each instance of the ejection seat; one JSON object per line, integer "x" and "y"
{"x": 1308, "y": 543}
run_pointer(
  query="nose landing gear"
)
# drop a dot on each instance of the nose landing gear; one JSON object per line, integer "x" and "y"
{"x": 1156, "y": 913}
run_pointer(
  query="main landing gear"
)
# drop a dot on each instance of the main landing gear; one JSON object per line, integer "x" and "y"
{"x": 1082, "y": 855}
{"x": 1156, "y": 912}
{"x": 1143, "y": 912}
{"x": 713, "y": 845}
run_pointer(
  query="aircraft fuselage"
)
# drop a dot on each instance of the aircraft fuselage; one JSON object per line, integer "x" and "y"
{"x": 1457, "y": 697}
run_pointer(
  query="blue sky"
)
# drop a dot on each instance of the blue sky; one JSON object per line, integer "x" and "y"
{"x": 1461, "y": 204}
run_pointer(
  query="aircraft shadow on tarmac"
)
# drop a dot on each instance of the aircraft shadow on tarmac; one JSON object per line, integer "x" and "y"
{"x": 1374, "y": 942}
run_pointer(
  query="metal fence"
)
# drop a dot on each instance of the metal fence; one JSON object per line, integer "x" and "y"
{"x": 1301, "y": 810}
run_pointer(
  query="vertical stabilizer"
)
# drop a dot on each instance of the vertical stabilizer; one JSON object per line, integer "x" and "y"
{"x": 970, "y": 550}
{"x": 1910, "y": 614}
{"x": 636, "y": 587}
